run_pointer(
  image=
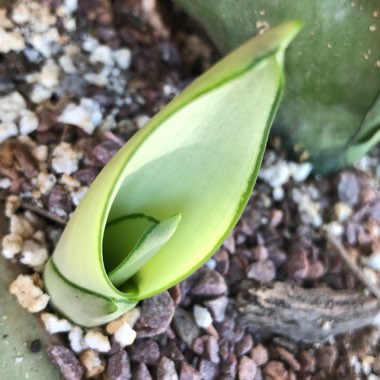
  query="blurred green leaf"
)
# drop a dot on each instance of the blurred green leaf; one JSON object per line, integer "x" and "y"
{"x": 332, "y": 68}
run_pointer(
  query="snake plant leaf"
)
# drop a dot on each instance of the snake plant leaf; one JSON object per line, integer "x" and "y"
{"x": 332, "y": 69}
{"x": 167, "y": 200}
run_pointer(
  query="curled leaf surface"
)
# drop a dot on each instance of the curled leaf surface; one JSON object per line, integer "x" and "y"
{"x": 172, "y": 194}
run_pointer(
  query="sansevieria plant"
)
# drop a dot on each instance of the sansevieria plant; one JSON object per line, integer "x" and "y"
{"x": 172, "y": 194}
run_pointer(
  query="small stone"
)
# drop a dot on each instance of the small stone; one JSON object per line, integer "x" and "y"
{"x": 68, "y": 364}
{"x": 218, "y": 307}
{"x": 21, "y": 226}
{"x": 348, "y": 188}
{"x": 327, "y": 358}
{"x": 202, "y": 317}
{"x": 259, "y": 253}
{"x": 185, "y": 326}
{"x": 315, "y": 270}
{"x": 97, "y": 341}
{"x": 166, "y": 370}
{"x": 104, "y": 151}
{"x": 188, "y": 372}
{"x": 11, "y": 106}
{"x": 297, "y": 264}
{"x": 102, "y": 54}
{"x": 130, "y": 317}
{"x": 247, "y": 368}
{"x": 55, "y": 325}
{"x": 244, "y": 345}
{"x": 33, "y": 254}
{"x": 76, "y": 339}
{"x": 276, "y": 175}
{"x": 59, "y": 201}
{"x": 142, "y": 373}
{"x": 262, "y": 271}
{"x": 7, "y": 130}
{"x": 20, "y": 14}
{"x": 123, "y": 58}
{"x": 142, "y": 121}
{"x": 11, "y": 245}
{"x": 373, "y": 261}
{"x": 28, "y": 122}
{"x": 301, "y": 171}
{"x": 209, "y": 283}
{"x": 93, "y": 364}
{"x": 156, "y": 315}
{"x": 288, "y": 358}
{"x": 65, "y": 158}
{"x": 208, "y": 370}
{"x": 118, "y": 367}
{"x": 11, "y": 41}
{"x": 307, "y": 361}
{"x": 275, "y": 370}
{"x": 342, "y": 211}
{"x": 259, "y": 354}
{"x": 35, "y": 346}
{"x": 40, "y": 93}
{"x": 125, "y": 335}
{"x": 171, "y": 349}
{"x": 87, "y": 115}
{"x": 146, "y": 351}
{"x": 29, "y": 295}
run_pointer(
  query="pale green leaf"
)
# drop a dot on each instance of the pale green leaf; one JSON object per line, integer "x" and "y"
{"x": 198, "y": 158}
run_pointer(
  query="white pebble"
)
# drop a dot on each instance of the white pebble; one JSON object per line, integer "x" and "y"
{"x": 12, "y": 204}
{"x": 335, "y": 228}
{"x": 5, "y": 183}
{"x": 373, "y": 261}
{"x": 20, "y": 14}
{"x": 202, "y": 316}
{"x": 28, "y": 122}
{"x": 102, "y": 54}
{"x": 12, "y": 245}
{"x": 87, "y": 115}
{"x": 142, "y": 121}
{"x": 29, "y": 296}
{"x": 342, "y": 211}
{"x": 55, "y": 325}
{"x": 97, "y": 341}
{"x": 278, "y": 193}
{"x": 90, "y": 43}
{"x": 125, "y": 335}
{"x": 49, "y": 76}
{"x": 33, "y": 254}
{"x": 11, "y": 41}
{"x": 130, "y": 317}
{"x": 123, "y": 58}
{"x": 46, "y": 181}
{"x": 10, "y": 106}
{"x": 7, "y": 130}
{"x": 92, "y": 363}
{"x": 21, "y": 226}
{"x": 41, "y": 153}
{"x": 301, "y": 171}
{"x": 76, "y": 339}
{"x": 71, "y": 5}
{"x": 97, "y": 79}
{"x": 65, "y": 159}
{"x": 40, "y": 93}
{"x": 276, "y": 175}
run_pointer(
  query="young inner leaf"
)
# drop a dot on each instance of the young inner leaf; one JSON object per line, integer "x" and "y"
{"x": 129, "y": 242}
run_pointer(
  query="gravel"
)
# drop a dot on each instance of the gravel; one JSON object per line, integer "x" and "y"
{"x": 80, "y": 79}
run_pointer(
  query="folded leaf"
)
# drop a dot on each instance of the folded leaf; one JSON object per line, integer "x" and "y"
{"x": 198, "y": 160}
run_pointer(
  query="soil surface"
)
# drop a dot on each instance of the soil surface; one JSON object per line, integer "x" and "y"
{"x": 77, "y": 80}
